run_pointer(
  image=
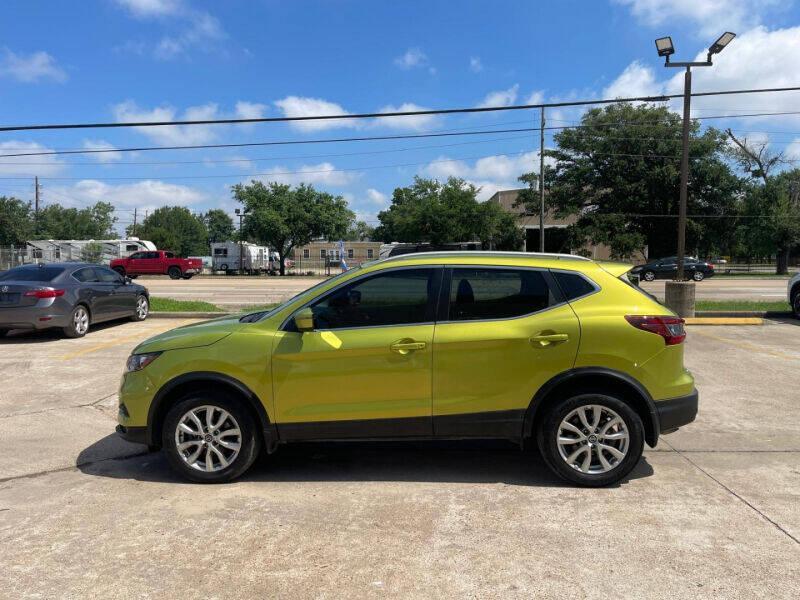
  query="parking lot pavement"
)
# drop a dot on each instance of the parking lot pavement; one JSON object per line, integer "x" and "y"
{"x": 713, "y": 511}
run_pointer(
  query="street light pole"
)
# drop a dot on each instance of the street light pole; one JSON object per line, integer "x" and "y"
{"x": 541, "y": 183}
{"x": 679, "y": 295}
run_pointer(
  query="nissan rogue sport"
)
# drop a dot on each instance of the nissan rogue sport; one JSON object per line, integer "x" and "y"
{"x": 556, "y": 350}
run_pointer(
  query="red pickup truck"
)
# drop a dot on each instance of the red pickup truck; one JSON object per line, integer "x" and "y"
{"x": 157, "y": 262}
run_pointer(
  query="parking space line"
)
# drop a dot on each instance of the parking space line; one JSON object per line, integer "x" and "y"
{"x": 119, "y": 340}
{"x": 747, "y": 346}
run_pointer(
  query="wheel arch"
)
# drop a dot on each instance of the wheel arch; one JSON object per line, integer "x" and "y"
{"x": 594, "y": 379}
{"x": 795, "y": 291}
{"x": 180, "y": 386}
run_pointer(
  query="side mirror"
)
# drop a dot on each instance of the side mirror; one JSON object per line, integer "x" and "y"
{"x": 128, "y": 280}
{"x": 304, "y": 320}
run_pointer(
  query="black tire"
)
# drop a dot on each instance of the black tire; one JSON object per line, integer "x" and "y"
{"x": 796, "y": 304}
{"x": 137, "y": 315}
{"x": 78, "y": 327}
{"x": 4, "y": 332}
{"x": 250, "y": 438}
{"x": 120, "y": 270}
{"x": 548, "y": 431}
{"x": 174, "y": 272}
{"x": 698, "y": 276}
{"x": 649, "y": 276}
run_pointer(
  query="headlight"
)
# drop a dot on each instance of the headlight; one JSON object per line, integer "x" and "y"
{"x": 137, "y": 362}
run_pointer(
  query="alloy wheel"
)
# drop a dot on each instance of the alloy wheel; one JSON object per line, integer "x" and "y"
{"x": 593, "y": 439}
{"x": 698, "y": 276}
{"x": 142, "y": 308}
{"x": 80, "y": 320}
{"x": 208, "y": 438}
{"x": 649, "y": 276}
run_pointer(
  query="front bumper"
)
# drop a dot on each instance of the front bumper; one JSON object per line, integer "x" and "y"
{"x": 676, "y": 412}
{"x": 137, "y": 435}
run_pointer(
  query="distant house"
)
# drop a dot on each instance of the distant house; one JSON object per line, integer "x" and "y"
{"x": 555, "y": 229}
{"x": 320, "y": 253}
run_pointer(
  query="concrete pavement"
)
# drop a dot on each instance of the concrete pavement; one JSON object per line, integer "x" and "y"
{"x": 712, "y": 512}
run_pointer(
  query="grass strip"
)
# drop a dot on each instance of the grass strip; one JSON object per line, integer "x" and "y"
{"x": 769, "y": 305}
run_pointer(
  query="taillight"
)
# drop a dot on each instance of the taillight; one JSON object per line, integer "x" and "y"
{"x": 670, "y": 328}
{"x": 44, "y": 293}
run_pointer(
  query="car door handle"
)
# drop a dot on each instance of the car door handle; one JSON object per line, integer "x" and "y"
{"x": 547, "y": 339}
{"x": 406, "y": 346}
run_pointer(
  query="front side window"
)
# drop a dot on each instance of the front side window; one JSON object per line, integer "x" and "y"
{"x": 485, "y": 294}
{"x": 85, "y": 275}
{"x": 137, "y": 255}
{"x": 401, "y": 297}
{"x": 105, "y": 275}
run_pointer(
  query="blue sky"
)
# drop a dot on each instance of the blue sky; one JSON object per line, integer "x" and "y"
{"x": 117, "y": 60}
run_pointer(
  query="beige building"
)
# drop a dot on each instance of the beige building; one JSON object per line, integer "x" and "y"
{"x": 319, "y": 254}
{"x": 555, "y": 234}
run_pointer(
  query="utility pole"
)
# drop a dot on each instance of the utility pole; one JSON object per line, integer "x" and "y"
{"x": 541, "y": 182}
{"x": 240, "y": 214}
{"x": 134, "y": 222}
{"x": 36, "y": 195}
{"x": 687, "y": 101}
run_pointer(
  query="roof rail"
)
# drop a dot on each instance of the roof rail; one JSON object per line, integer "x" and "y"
{"x": 488, "y": 253}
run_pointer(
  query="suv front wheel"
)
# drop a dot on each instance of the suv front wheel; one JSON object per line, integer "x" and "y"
{"x": 591, "y": 439}
{"x": 210, "y": 438}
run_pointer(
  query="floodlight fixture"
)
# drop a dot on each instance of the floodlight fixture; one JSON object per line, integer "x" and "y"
{"x": 665, "y": 47}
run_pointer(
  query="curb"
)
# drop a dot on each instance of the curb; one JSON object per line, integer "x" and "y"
{"x": 764, "y": 314}
{"x": 187, "y": 315}
{"x": 724, "y": 321}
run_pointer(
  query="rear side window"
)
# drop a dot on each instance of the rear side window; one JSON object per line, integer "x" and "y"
{"x": 34, "y": 274}
{"x": 572, "y": 285}
{"x": 85, "y": 275}
{"x": 484, "y": 294}
{"x": 394, "y": 298}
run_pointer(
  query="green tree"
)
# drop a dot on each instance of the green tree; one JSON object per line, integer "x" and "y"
{"x": 175, "y": 228}
{"x": 619, "y": 172}
{"x": 92, "y": 253}
{"x": 219, "y": 225}
{"x": 16, "y": 222}
{"x": 442, "y": 213}
{"x": 283, "y": 217}
{"x": 93, "y": 222}
{"x": 359, "y": 231}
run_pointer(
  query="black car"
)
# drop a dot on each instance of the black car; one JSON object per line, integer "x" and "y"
{"x": 69, "y": 296}
{"x": 666, "y": 268}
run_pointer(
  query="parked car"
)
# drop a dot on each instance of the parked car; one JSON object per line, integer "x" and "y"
{"x": 555, "y": 350}
{"x": 69, "y": 296}
{"x": 157, "y": 262}
{"x": 666, "y": 268}
{"x": 794, "y": 294}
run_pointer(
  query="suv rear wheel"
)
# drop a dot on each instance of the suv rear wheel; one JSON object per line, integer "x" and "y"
{"x": 210, "y": 438}
{"x": 591, "y": 439}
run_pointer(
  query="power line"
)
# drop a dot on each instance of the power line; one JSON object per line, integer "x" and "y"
{"x": 379, "y": 115}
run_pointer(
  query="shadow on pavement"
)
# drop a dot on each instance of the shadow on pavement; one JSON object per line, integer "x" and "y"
{"x": 36, "y": 336}
{"x": 476, "y": 461}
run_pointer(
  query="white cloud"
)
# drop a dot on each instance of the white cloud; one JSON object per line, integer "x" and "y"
{"x": 408, "y": 122}
{"x": 413, "y": 57}
{"x": 28, "y": 165}
{"x": 536, "y": 97}
{"x": 299, "y": 106}
{"x": 250, "y": 110}
{"x": 324, "y": 174}
{"x": 31, "y": 68}
{"x": 491, "y": 173}
{"x": 377, "y": 198}
{"x": 102, "y": 157}
{"x": 712, "y": 17}
{"x": 636, "y": 80}
{"x": 475, "y": 64}
{"x": 144, "y": 195}
{"x": 152, "y": 8}
{"x": 500, "y": 97}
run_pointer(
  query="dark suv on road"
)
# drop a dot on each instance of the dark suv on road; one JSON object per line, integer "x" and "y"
{"x": 666, "y": 268}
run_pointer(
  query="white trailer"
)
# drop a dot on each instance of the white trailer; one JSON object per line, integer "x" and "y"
{"x": 226, "y": 257}
{"x": 84, "y": 250}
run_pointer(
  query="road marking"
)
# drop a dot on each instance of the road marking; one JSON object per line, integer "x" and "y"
{"x": 746, "y": 346}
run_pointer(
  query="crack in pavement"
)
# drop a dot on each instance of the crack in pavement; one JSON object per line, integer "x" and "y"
{"x": 72, "y": 467}
{"x": 734, "y": 494}
{"x": 44, "y": 410}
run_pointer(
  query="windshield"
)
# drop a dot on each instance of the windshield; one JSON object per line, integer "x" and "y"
{"x": 263, "y": 314}
{"x": 37, "y": 274}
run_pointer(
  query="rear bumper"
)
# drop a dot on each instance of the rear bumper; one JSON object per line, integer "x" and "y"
{"x": 32, "y": 317}
{"x": 676, "y": 412}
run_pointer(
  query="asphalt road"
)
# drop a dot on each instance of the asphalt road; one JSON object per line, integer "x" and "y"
{"x": 713, "y": 511}
{"x": 239, "y": 291}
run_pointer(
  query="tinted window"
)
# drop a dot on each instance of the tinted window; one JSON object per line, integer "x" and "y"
{"x": 107, "y": 275}
{"x": 151, "y": 255}
{"x": 497, "y": 293}
{"x": 38, "y": 274}
{"x": 393, "y": 298}
{"x": 573, "y": 285}
{"x": 85, "y": 275}
{"x": 131, "y": 247}
{"x": 169, "y": 255}
{"x": 137, "y": 255}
